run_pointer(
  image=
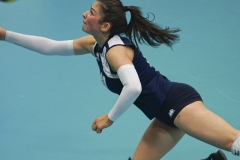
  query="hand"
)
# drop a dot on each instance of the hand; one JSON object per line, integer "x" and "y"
{"x": 100, "y": 123}
{"x": 2, "y": 33}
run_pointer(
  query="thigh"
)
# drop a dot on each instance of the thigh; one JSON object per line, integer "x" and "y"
{"x": 201, "y": 123}
{"x": 158, "y": 139}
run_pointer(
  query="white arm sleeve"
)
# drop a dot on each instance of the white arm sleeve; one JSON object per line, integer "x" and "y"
{"x": 40, "y": 44}
{"x": 131, "y": 90}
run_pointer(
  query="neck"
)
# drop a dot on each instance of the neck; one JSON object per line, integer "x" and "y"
{"x": 101, "y": 39}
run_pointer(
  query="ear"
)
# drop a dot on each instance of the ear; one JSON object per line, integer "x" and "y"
{"x": 105, "y": 27}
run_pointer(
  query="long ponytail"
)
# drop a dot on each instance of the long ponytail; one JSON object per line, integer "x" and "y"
{"x": 143, "y": 30}
{"x": 139, "y": 29}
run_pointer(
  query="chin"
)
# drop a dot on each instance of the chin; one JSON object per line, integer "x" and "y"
{"x": 84, "y": 30}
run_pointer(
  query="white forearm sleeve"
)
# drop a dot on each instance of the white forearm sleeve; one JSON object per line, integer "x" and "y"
{"x": 40, "y": 44}
{"x": 131, "y": 90}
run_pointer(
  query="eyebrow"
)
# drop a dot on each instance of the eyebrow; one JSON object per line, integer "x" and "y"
{"x": 93, "y": 9}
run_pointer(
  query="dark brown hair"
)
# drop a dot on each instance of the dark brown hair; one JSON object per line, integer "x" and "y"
{"x": 139, "y": 29}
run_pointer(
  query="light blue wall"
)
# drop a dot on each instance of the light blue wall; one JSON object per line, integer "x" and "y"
{"x": 47, "y": 104}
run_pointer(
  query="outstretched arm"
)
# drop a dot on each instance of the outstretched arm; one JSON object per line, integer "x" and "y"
{"x": 47, "y": 46}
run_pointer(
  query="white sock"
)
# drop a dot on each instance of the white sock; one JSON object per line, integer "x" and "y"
{"x": 235, "y": 149}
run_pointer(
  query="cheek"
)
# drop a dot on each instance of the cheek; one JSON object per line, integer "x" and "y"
{"x": 93, "y": 23}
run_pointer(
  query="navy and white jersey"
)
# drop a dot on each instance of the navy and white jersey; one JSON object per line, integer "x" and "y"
{"x": 154, "y": 85}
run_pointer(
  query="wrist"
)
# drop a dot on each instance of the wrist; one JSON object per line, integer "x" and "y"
{"x": 109, "y": 120}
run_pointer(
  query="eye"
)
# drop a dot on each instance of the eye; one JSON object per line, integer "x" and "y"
{"x": 91, "y": 12}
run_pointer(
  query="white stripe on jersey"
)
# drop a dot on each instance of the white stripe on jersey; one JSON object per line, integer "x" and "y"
{"x": 115, "y": 40}
{"x": 106, "y": 67}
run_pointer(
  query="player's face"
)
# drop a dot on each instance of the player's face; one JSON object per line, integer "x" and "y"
{"x": 91, "y": 19}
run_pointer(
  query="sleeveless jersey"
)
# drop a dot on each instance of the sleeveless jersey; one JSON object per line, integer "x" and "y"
{"x": 154, "y": 85}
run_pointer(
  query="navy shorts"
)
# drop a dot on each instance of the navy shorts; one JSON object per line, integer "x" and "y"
{"x": 179, "y": 96}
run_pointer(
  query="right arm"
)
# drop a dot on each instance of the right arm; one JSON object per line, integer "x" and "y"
{"x": 47, "y": 46}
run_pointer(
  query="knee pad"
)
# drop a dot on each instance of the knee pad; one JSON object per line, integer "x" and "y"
{"x": 235, "y": 149}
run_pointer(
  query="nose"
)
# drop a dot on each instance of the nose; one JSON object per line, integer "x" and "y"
{"x": 85, "y": 14}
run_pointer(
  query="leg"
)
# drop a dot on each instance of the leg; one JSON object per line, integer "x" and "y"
{"x": 199, "y": 122}
{"x": 158, "y": 139}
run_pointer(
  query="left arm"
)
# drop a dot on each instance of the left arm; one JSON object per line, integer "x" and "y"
{"x": 120, "y": 60}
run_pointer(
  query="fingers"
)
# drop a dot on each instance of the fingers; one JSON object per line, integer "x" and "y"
{"x": 99, "y": 130}
{"x": 96, "y": 126}
{"x": 100, "y": 123}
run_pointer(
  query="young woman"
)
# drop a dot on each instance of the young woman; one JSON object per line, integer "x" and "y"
{"x": 175, "y": 108}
